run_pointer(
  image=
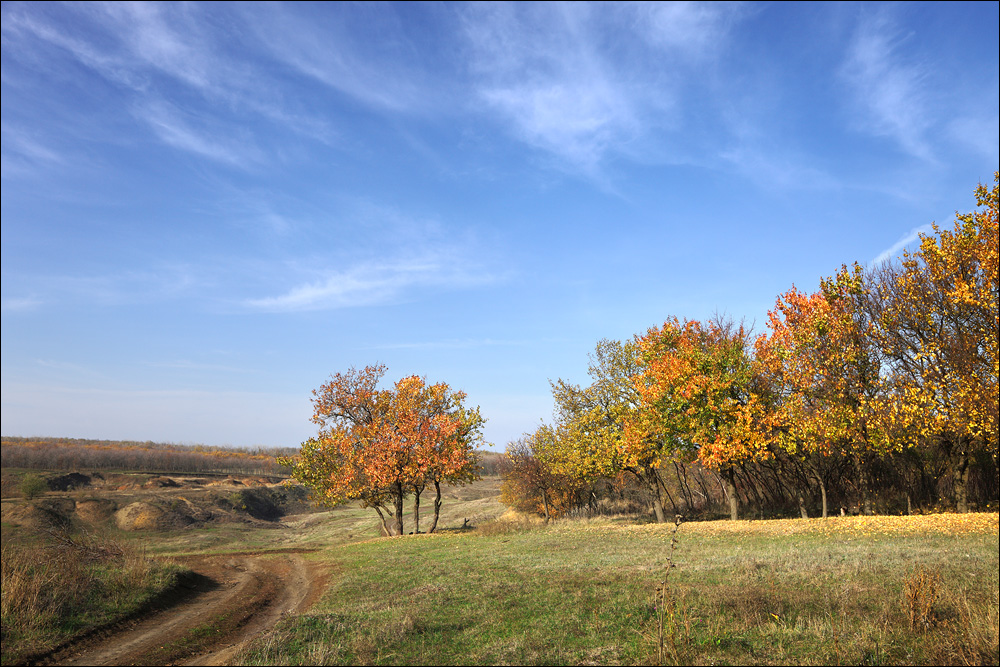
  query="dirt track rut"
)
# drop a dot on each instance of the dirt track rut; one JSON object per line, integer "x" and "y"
{"x": 228, "y": 600}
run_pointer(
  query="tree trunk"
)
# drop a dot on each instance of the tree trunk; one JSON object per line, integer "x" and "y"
{"x": 685, "y": 490}
{"x": 437, "y": 505}
{"x": 670, "y": 498}
{"x": 397, "y": 502}
{"x": 545, "y": 504}
{"x": 700, "y": 478}
{"x": 802, "y": 507}
{"x": 822, "y": 490}
{"x": 750, "y": 483}
{"x": 862, "y": 472}
{"x": 385, "y": 527}
{"x": 962, "y": 480}
{"x": 658, "y": 509}
{"x": 729, "y": 479}
{"x": 416, "y": 510}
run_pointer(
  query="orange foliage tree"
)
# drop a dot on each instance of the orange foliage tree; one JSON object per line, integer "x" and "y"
{"x": 378, "y": 445}
{"x": 700, "y": 390}
{"x": 824, "y": 371}
{"x": 590, "y": 439}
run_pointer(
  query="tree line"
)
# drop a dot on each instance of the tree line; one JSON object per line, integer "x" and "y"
{"x": 126, "y": 455}
{"x": 877, "y": 392}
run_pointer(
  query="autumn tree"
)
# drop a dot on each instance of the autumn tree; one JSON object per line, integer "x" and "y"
{"x": 530, "y": 483}
{"x": 447, "y": 460}
{"x": 938, "y": 317}
{"x": 822, "y": 365}
{"x": 596, "y": 435}
{"x": 376, "y": 445}
{"x": 699, "y": 390}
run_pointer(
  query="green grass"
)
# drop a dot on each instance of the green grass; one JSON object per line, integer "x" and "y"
{"x": 766, "y": 592}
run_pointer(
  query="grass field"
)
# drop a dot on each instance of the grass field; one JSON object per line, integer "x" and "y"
{"x": 508, "y": 589}
{"x": 583, "y": 592}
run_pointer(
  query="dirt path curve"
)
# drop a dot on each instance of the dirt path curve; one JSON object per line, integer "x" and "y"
{"x": 228, "y": 600}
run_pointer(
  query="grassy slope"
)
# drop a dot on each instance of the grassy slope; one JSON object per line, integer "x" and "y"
{"x": 768, "y": 592}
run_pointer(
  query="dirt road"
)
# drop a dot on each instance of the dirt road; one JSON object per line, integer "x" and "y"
{"x": 226, "y": 601}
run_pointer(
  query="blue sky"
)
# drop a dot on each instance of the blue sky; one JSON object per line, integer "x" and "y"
{"x": 208, "y": 209}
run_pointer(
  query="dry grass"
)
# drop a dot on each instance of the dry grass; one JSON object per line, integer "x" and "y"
{"x": 69, "y": 584}
{"x": 513, "y": 590}
{"x": 510, "y": 521}
{"x": 920, "y": 592}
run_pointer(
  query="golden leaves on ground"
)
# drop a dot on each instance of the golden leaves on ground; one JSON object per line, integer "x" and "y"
{"x": 986, "y": 523}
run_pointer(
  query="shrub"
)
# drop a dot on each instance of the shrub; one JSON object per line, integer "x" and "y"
{"x": 32, "y": 486}
{"x": 920, "y": 592}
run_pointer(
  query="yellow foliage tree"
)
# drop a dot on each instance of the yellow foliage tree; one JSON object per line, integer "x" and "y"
{"x": 939, "y": 322}
{"x": 596, "y": 434}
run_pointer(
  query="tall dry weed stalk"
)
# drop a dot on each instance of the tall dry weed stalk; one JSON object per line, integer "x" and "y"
{"x": 921, "y": 590}
{"x": 667, "y": 621}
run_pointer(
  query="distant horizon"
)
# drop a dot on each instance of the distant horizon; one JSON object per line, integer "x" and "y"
{"x": 168, "y": 443}
{"x": 208, "y": 209}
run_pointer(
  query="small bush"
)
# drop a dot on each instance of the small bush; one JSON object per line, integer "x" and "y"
{"x": 32, "y": 486}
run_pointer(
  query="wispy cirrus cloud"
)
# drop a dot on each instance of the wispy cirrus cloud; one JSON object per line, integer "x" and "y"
{"x": 168, "y": 61}
{"x": 164, "y": 38}
{"x": 26, "y": 145}
{"x": 172, "y": 128}
{"x": 887, "y": 90}
{"x": 149, "y": 285}
{"x": 332, "y": 48}
{"x": 392, "y": 257}
{"x": 20, "y": 304}
{"x": 690, "y": 29}
{"x": 550, "y": 74}
{"x": 772, "y": 169}
{"x": 373, "y": 284}
{"x": 979, "y": 133}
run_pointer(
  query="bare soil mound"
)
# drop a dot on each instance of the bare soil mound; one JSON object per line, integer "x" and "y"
{"x": 147, "y": 516}
{"x": 228, "y": 481}
{"x": 159, "y": 503}
{"x": 42, "y": 514}
{"x": 69, "y": 481}
{"x": 160, "y": 483}
{"x": 38, "y": 516}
